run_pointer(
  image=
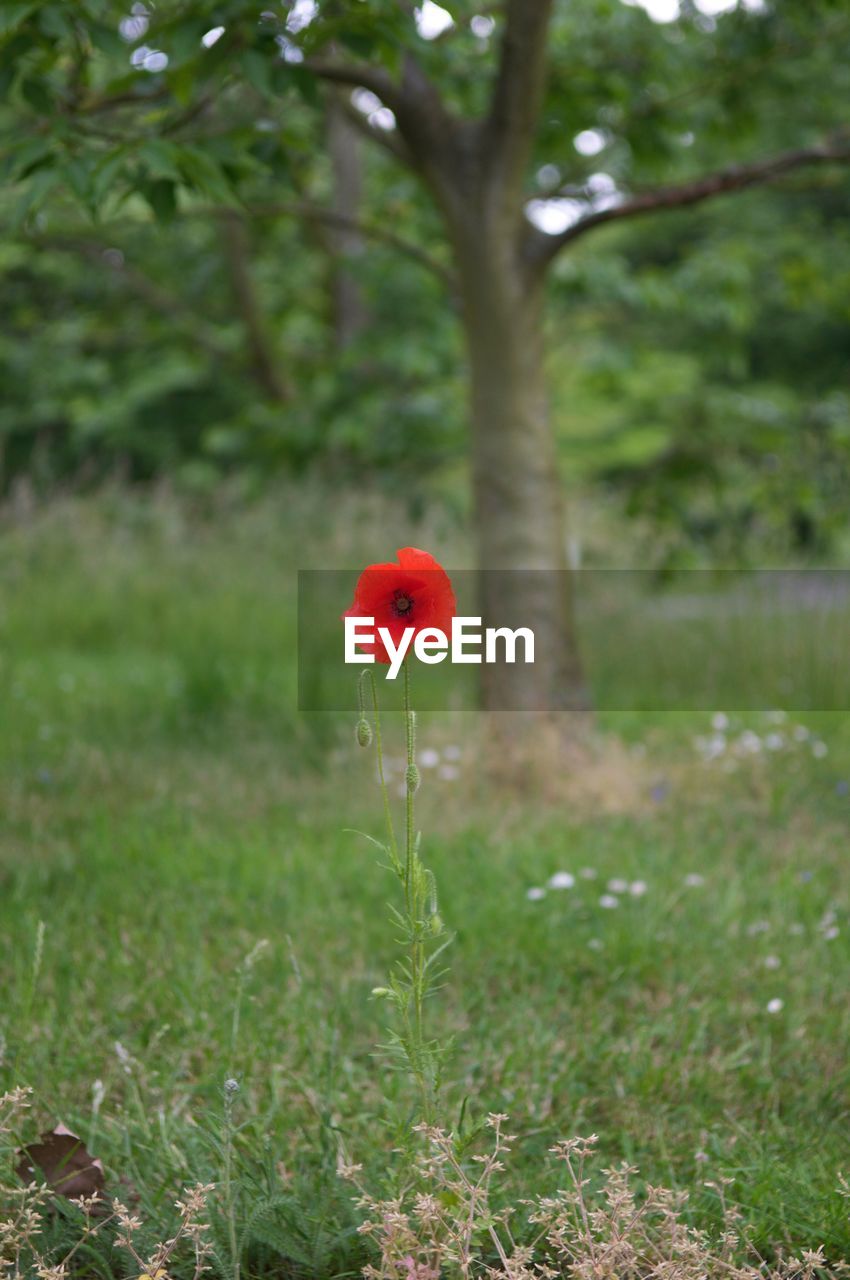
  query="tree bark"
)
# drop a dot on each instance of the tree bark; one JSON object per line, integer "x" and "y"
{"x": 350, "y": 312}
{"x": 518, "y": 499}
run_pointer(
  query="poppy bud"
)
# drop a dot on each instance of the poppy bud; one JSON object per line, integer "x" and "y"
{"x": 381, "y": 992}
{"x": 436, "y": 923}
{"x": 363, "y": 732}
{"x": 411, "y": 777}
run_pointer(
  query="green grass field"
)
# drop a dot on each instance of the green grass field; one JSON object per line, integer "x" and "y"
{"x": 164, "y": 809}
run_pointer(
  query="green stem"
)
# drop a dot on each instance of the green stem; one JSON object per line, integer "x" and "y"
{"x": 379, "y": 750}
{"x": 410, "y": 995}
{"x": 230, "y": 1204}
{"x": 410, "y": 735}
{"x": 413, "y": 885}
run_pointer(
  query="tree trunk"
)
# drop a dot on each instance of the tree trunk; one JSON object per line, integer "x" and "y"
{"x": 350, "y": 313}
{"x": 519, "y": 513}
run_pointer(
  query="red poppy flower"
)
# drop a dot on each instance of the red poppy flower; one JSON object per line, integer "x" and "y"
{"x": 416, "y": 592}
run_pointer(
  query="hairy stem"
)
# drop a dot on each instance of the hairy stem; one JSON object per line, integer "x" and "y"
{"x": 410, "y": 980}
{"x": 379, "y": 748}
{"x": 413, "y": 888}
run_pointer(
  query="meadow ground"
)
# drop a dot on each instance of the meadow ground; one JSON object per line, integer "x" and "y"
{"x": 165, "y": 810}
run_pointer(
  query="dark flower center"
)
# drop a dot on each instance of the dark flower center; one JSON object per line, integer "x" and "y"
{"x": 402, "y": 604}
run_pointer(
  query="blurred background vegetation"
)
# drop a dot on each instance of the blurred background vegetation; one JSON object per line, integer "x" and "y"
{"x": 172, "y": 311}
{"x": 705, "y": 389}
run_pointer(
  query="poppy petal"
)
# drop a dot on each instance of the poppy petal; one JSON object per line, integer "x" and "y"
{"x": 416, "y": 592}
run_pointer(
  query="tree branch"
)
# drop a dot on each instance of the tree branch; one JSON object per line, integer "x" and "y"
{"x": 264, "y": 361}
{"x": 358, "y": 75}
{"x": 371, "y": 230}
{"x": 512, "y": 120}
{"x": 136, "y": 97}
{"x": 385, "y": 138}
{"x": 422, "y": 120}
{"x": 723, "y": 182}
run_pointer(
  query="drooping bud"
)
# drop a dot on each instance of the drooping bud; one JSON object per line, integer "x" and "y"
{"x": 436, "y": 923}
{"x": 411, "y": 777}
{"x": 363, "y": 732}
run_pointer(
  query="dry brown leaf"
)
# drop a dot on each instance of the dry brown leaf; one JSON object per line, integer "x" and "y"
{"x": 65, "y": 1164}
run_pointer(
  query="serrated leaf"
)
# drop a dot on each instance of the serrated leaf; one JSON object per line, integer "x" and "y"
{"x": 267, "y": 1225}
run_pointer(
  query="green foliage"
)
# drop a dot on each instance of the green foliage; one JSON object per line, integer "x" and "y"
{"x": 712, "y": 374}
{"x": 698, "y": 359}
{"x": 111, "y": 365}
{"x": 128, "y": 361}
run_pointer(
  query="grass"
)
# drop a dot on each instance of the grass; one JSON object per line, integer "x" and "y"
{"x": 164, "y": 810}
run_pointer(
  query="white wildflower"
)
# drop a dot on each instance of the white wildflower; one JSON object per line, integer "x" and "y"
{"x": 714, "y": 746}
{"x": 123, "y": 1056}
